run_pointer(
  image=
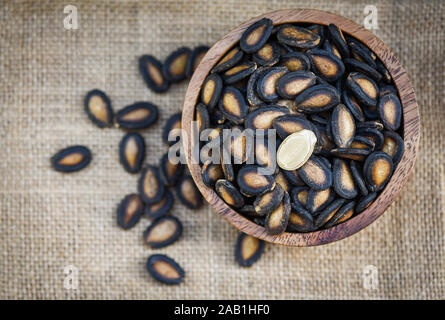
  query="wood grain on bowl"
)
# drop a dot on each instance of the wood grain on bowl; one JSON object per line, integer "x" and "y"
{"x": 411, "y": 129}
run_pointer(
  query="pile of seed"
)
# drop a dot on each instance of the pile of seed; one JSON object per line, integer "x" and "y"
{"x": 154, "y": 199}
{"x": 335, "y": 110}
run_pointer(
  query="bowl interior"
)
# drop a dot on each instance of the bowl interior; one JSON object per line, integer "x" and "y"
{"x": 411, "y": 129}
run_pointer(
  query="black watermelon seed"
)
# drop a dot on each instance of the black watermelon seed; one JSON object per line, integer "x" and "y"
{"x": 165, "y": 269}
{"x": 130, "y": 211}
{"x": 171, "y": 132}
{"x": 188, "y": 193}
{"x": 151, "y": 71}
{"x": 248, "y": 249}
{"x": 150, "y": 185}
{"x": 160, "y": 208}
{"x": 175, "y": 66}
{"x": 132, "y": 152}
{"x": 139, "y": 115}
{"x": 195, "y": 58}
{"x": 163, "y": 232}
{"x": 98, "y": 108}
{"x": 71, "y": 159}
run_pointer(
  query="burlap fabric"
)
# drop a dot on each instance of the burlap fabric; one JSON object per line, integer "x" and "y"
{"x": 51, "y": 220}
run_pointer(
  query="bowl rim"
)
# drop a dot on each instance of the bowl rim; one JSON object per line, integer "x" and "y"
{"x": 411, "y": 129}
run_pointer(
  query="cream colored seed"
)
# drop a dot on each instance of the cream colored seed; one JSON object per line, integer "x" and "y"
{"x": 296, "y": 149}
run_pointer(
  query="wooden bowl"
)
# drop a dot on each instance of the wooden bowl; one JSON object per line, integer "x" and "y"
{"x": 411, "y": 129}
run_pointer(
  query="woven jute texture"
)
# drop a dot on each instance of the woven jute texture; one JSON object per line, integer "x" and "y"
{"x": 50, "y": 221}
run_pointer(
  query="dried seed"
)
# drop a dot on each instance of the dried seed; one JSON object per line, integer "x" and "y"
{"x": 386, "y": 76}
{"x": 175, "y": 66}
{"x": 293, "y": 177}
{"x": 160, "y": 208}
{"x": 267, "y": 84}
{"x": 317, "y": 200}
{"x": 188, "y": 193}
{"x": 326, "y": 162}
{"x": 393, "y": 145}
{"x": 248, "y": 249}
{"x": 151, "y": 71}
{"x": 358, "y": 178}
{"x": 371, "y": 113}
{"x": 390, "y": 111}
{"x": 350, "y": 153}
{"x": 325, "y": 140}
{"x": 262, "y": 118}
{"x": 343, "y": 214}
{"x": 385, "y": 89}
{"x": 165, "y": 269}
{"x": 249, "y": 210}
{"x": 172, "y": 129}
{"x": 319, "y": 120}
{"x": 343, "y": 180}
{"x": 266, "y": 203}
{"x": 216, "y": 117}
{"x": 229, "y": 172}
{"x": 332, "y": 49}
{"x": 369, "y": 124}
{"x": 360, "y": 142}
{"x": 253, "y": 183}
{"x": 364, "y": 89}
{"x": 256, "y": 35}
{"x": 98, "y": 108}
{"x": 240, "y": 143}
{"x": 211, "y": 172}
{"x": 132, "y": 152}
{"x": 377, "y": 170}
{"x": 229, "y": 60}
{"x": 366, "y": 69}
{"x": 360, "y": 54}
{"x": 195, "y": 59}
{"x": 365, "y": 202}
{"x": 163, "y": 232}
{"x": 353, "y": 106}
{"x": 268, "y": 55}
{"x": 326, "y": 214}
{"x": 326, "y": 65}
{"x": 300, "y": 220}
{"x": 139, "y": 115}
{"x": 150, "y": 186}
{"x": 71, "y": 159}
{"x": 251, "y": 94}
{"x": 289, "y": 124}
{"x": 227, "y": 191}
{"x": 317, "y": 99}
{"x": 299, "y": 195}
{"x": 239, "y": 72}
{"x": 375, "y": 135}
{"x": 298, "y": 37}
{"x": 170, "y": 172}
{"x": 320, "y": 30}
{"x": 276, "y": 221}
{"x": 293, "y": 83}
{"x": 338, "y": 39}
{"x": 280, "y": 179}
{"x": 129, "y": 211}
{"x": 265, "y": 154}
{"x": 342, "y": 126}
{"x": 233, "y": 106}
{"x": 211, "y": 90}
{"x": 315, "y": 174}
{"x": 202, "y": 117}
{"x": 295, "y": 61}
{"x": 296, "y": 149}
